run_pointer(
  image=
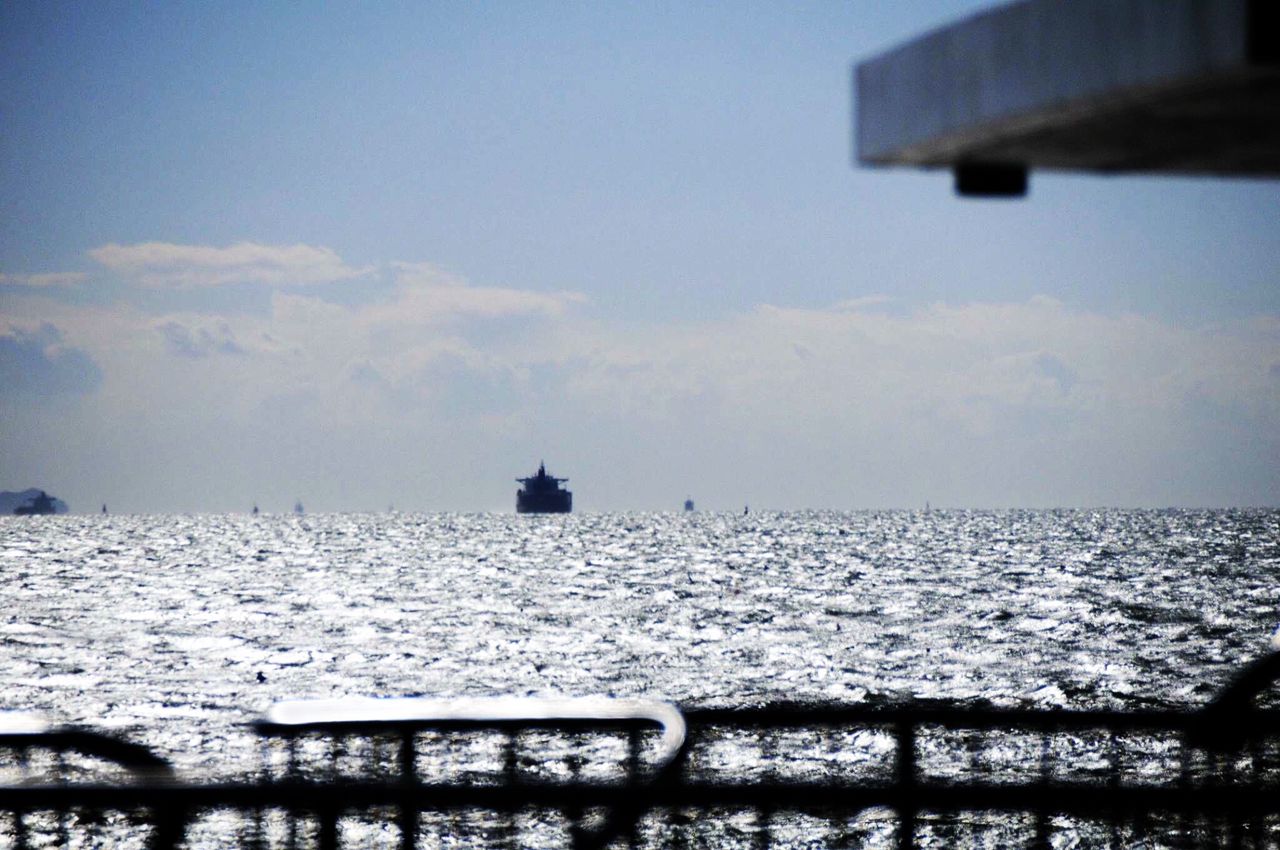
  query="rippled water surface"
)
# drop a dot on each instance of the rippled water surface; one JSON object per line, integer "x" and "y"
{"x": 160, "y": 625}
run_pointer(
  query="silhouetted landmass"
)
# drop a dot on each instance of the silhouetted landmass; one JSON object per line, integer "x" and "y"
{"x": 11, "y": 501}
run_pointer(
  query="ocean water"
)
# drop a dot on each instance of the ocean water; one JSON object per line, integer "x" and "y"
{"x": 160, "y": 627}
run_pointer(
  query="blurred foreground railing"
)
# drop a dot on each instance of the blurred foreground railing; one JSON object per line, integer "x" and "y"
{"x": 593, "y": 773}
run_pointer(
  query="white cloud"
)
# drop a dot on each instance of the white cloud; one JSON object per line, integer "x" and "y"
{"x": 855, "y": 304}
{"x": 38, "y": 281}
{"x": 164, "y": 265}
{"x": 429, "y": 295}
{"x": 405, "y": 349}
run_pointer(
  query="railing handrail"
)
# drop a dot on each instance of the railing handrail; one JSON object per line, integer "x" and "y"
{"x": 21, "y": 730}
{"x": 352, "y": 715}
{"x": 782, "y": 715}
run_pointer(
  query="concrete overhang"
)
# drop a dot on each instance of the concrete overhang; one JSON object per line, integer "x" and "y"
{"x": 1110, "y": 86}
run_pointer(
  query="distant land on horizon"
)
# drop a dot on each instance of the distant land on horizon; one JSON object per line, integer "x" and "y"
{"x": 11, "y": 501}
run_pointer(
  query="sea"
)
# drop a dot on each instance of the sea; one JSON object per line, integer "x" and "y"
{"x": 178, "y": 630}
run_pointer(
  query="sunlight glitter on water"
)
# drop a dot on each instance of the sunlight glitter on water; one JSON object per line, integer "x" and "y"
{"x": 160, "y": 625}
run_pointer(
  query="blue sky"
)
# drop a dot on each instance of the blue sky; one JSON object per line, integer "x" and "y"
{"x": 372, "y": 254}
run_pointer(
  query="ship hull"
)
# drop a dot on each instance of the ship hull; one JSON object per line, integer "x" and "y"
{"x": 556, "y": 502}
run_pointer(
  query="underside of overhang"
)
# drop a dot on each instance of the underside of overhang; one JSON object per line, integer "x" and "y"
{"x": 1108, "y": 86}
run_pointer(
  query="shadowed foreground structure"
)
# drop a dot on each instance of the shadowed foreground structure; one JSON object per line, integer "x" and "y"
{"x": 591, "y": 773}
{"x": 1108, "y": 86}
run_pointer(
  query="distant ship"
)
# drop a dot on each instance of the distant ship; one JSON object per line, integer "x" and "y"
{"x": 39, "y": 505}
{"x": 542, "y": 494}
{"x": 688, "y": 504}
{"x": 297, "y": 507}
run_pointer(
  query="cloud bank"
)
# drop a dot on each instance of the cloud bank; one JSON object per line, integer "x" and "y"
{"x": 166, "y": 265}
{"x": 435, "y": 393}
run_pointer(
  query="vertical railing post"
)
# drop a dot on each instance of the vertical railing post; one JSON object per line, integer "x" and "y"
{"x": 1042, "y": 816}
{"x": 328, "y": 816}
{"x": 905, "y": 731}
{"x": 20, "y": 825}
{"x": 328, "y": 829}
{"x": 407, "y": 758}
{"x": 19, "y": 830}
{"x": 64, "y": 816}
{"x": 511, "y": 767}
{"x": 510, "y": 759}
{"x": 1116, "y": 767}
{"x": 573, "y": 812}
{"x": 764, "y": 815}
{"x": 257, "y": 827}
{"x": 634, "y": 763}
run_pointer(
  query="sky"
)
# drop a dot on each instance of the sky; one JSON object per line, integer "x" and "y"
{"x": 386, "y": 254}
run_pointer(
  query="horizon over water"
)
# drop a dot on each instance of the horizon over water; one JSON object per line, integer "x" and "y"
{"x": 158, "y": 626}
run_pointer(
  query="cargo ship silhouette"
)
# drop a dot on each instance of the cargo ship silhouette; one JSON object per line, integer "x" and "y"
{"x": 542, "y": 494}
{"x": 38, "y": 505}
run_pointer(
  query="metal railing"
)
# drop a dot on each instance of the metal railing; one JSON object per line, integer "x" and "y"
{"x": 592, "y": 773}
{"x": 50, "y": 776}
{"x": 498, "y": 755}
